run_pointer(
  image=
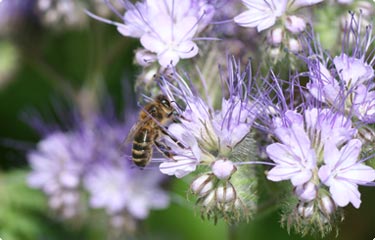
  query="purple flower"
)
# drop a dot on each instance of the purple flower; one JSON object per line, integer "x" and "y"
{"x": 207, "y": 134}
{"x": 119, "y": 189}
{"x": 57, "y": 170}
{"x": 364, "y": 104}
{"x": 342, "y": 172}
{"x": 303, "y": 3}
{"x": 352, "y": 71}
{"x": 303, "y": 140}
{"x": 90, "y": 159}
{"x": 112, "y": 182}
{"x": 262, "y": 14}
{"x": 294, "y": 157}
{"x": 322, "y": 84}
{"x": 166, "y": 29}
{"x": 346, "y": 82}
{"x": 317, "y": 151}
{"x": 185, "y": 160}
{"x": 215, "y": 140}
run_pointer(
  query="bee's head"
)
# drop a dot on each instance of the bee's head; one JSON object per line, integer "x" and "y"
{"x": 164, "y": 102}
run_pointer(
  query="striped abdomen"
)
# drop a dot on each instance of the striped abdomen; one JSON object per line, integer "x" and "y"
{"x": 142, "y": 146}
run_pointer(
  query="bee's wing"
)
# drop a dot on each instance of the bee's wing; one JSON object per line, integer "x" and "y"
{"x": 129, "y": 138}
{"x": 134, "y": 130}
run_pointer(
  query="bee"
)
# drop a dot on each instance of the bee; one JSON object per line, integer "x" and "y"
{"x": 151, "y": 125}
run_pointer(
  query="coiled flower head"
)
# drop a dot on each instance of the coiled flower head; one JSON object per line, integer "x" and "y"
{"x": 211, "y": 141}
{"x": 317, "y": 150}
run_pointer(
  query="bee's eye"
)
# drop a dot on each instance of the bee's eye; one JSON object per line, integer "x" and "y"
{"x": 165, "y": 103}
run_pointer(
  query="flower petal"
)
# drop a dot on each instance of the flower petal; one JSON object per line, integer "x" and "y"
{"x": 344, "y": 192}
{"x": 180, "y": 168}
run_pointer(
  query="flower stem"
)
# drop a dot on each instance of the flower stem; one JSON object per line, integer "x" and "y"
{"x": 232, "y": 232}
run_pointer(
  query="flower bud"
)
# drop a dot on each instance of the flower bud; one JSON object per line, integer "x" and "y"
{"x": 326, "y": 205}
{"x": 306, "y": 192}
{"x": 202, "y": 185}
{"x": 294, "y": 45}
{"x": 225, "y": 193}
{"x": 295, "y": 24}
{"x": 305, "y": 210}
{"x": 275, "y": 36}
{"x": 223, "y": 169}
{"x": 209, "y": 199}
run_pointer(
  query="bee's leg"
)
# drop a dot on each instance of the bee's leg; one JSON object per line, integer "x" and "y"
{"x": 164, "y": 149}
{"x": 165, "y": 132}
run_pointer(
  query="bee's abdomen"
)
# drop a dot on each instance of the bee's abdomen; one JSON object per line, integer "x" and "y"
{"x": 142, "y": 148}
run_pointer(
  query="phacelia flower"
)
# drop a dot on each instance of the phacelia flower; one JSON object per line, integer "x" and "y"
{"x": 282, "y": 20}
{"x": 216, "y": 140}
{"x": 90, "y": 159}
{"x": 302, "y": 140}
{"x": 347, "y": 81}
{"x": 113, "y": 183}
{"x": 262, "y": 14}
{"x": 208, "y": 134}
{"x": 318, "y": 151}
{"x": 110, "y": 188}
{"x": 57, "y": 169}
{"x": 166, "y": 29}
{"x": 342, "y": 172}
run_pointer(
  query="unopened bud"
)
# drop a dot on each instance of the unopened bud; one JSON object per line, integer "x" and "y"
{"x": 294, "y": 45}
{"x": 223, "y": 169}
{"x": 225, "y": 193}
{"x": 275, "y": 36}
{"x": 202, "y": 185}
{"x": 306, "y": 192}
{"x": 209, "y": 199}
{"x": 326, "y": 205}
{"x": 305, "y": 210}
{"x": 295, "y": 24}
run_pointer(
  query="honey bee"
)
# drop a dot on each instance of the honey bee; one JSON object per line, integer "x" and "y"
{"x": 150, "y": 126}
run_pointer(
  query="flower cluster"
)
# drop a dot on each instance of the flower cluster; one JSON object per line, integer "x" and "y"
{"x": 346, "y": 81}
{"x": 263, "y": 14}
{"x": 318, "y": 150}
{"x": 90, "y": 159}
{"x": 313, "y": 131}
{"x": 211, "y": 139}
